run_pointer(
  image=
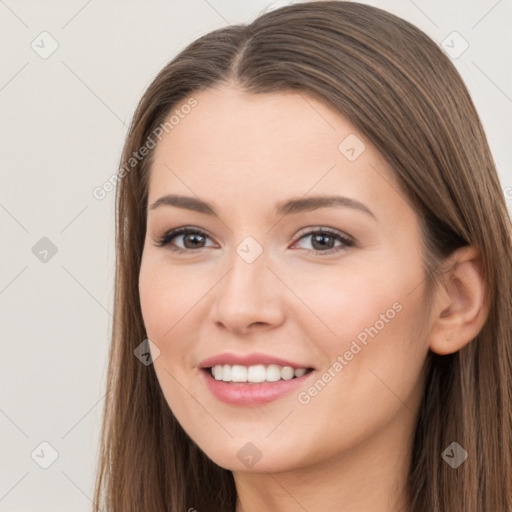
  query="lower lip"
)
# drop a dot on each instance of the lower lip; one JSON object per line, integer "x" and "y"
{"x": 248, "y": 395}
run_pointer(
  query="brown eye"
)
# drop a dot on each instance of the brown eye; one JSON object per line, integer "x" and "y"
{"x": 191, "y": 239}
{"x": 323, "y": 241}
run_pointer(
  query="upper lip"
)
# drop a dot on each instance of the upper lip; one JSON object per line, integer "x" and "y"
{"x": 248, "y": 360}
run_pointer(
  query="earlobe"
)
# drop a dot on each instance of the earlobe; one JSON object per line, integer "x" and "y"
{"x": 461, "y": 309}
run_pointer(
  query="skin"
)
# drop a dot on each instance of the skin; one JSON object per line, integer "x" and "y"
{"x": 349, "y": 445}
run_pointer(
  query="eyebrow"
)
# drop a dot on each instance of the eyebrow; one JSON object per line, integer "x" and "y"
{"x": 287, "y": 207}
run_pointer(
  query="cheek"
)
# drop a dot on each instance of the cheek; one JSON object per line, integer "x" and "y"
{"x": 372, "y": 374}
{"x": 388, "y": 368}
{"x": 166, "y": 300}
{"x": 367, "y": 326}
{"x": 165, "y": 296}
{"x": 174, "y": 304}
{"x": 340, "y": 302}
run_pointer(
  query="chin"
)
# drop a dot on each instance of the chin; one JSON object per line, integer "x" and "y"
{"x": 253, "y": 457}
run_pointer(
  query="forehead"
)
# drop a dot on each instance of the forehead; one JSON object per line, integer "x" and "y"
{"x": 265, "y": 147}
{"x": 241, "y": 126}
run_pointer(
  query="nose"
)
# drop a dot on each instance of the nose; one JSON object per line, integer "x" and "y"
{"x": 250, "y": 297}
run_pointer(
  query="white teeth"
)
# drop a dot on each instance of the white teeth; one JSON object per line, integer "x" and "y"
{"x": 225, "y": 372}
{"x": 273, "y": 373}
{"x": 238, "y": 373}
{"x": 287, "y": 373}
{"x": 217, "y": 372}
{"x": 255, "y": 374}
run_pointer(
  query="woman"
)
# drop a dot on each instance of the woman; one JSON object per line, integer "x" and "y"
{"x": 313, "y": 287}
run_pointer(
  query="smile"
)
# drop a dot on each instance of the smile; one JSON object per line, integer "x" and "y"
{"x": 241, "y": 392}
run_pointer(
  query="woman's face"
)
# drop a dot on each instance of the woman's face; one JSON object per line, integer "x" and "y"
{"x": 333, "y": 287}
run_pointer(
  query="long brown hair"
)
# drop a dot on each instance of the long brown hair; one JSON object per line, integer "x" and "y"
{"x": 396, "y": 86}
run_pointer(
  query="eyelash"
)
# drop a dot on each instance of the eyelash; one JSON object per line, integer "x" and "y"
{"x": 167, "y": 237}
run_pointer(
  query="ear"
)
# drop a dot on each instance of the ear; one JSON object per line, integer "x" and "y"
{"x": 461, "y": 307}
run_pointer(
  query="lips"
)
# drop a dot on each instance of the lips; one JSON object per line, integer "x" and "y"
{"x": 246, "y": 394}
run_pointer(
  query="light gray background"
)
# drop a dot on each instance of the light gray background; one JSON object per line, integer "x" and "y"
{"x": 64, "y": 119}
